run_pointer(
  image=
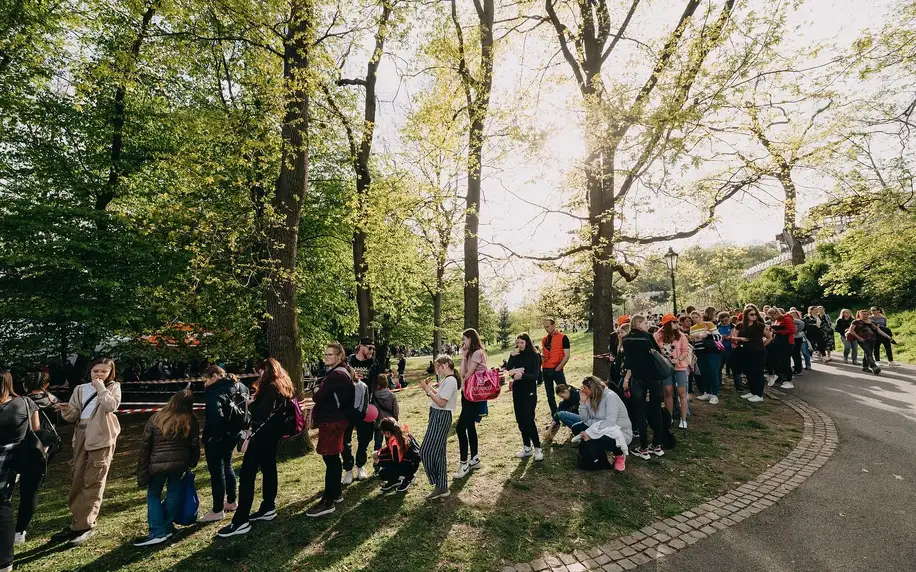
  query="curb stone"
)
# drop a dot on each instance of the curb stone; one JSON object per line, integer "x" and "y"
{"x": 665, "y": 537}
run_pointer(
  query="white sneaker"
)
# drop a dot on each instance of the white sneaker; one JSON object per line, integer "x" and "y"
{"x": 576, "y": 438}
{"x": 524, "y": 453}
{"x": 19, "y": 538}
{"x": 474, "y": 462}
{"x": 361, "y": 474}
{"x": 787, "y": 385}
{"x": 538, "y": 454}
{"x": 747, "y": 395}
{"x": 713, "y": 400}
{"x": 771, "y": 381}
{"x": 893, "y": 363}
{"x": 212, "y": 517}
{"x": 462, "y": 471}
{"x": 347, "y": 478}
{"x": 705, "y": 397}
{"x": 755, "y": 399}
{"x": 683, "y": 424}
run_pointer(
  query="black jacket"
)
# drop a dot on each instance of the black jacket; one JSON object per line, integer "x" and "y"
{"x": 334, "y": 398}
{"x": 159, "y": 455}
{"x": 842, "y": 324}
{"x": 531, "y": 361}
{"x": 636, "y": 346}
{"x": 266, "y": 412}
{"x": 216, "y": 415}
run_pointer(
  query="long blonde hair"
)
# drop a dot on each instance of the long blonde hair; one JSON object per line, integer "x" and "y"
{"x": 174, "y": 420}
{"x": 596, "y": 389}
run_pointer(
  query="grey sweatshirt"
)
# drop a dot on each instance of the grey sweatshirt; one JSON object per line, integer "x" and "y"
{"x": 611, "y": 410}
{"x": 387, "y": 404}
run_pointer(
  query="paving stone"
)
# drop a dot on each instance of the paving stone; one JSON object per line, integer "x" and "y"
{"x": 612, "y": 567}
{"x": 575, "y": 567}
{"x": 538, "y": 565}
{"x": 590, "y": 564}
{"x": 595, "y": 553}
{"x": 602, "y": 560}
{"x": 662, "y": 537}
{"x": 677, "y": 544}
{"x": 560, "y": 568}
{"x": 552, "y": 561}
{"x": 627, "y": 564}
{"x": 627, "y": 551}
{"x": 523, "y": 568}
{"x": 508, "y": 569}
{"x": 580, "y": 556}
{"x": 567, "y": 559}
{"x": 640, "y": 559}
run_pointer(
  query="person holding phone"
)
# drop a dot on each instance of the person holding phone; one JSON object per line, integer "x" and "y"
{"x": 442, "y": 404}
{"x": 92, "y": 407}
{"x": 523, "y": 367}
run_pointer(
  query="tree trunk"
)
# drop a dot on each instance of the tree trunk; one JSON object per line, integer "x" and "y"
{"x": 282, "y": 310}
{"x": 437, "y": 309}
{"x": 600, "y": 185}
{"x": 790, "y": 212}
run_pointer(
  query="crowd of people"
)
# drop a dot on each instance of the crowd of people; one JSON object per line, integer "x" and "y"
{"x": 656, "y": 361}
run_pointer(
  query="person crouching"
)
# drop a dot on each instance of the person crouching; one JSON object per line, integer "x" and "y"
{"x": 399, "y": 460}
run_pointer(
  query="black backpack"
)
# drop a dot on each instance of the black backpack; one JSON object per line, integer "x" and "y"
{"x": 29, "y": 457}
{"x": 238, "y": 418}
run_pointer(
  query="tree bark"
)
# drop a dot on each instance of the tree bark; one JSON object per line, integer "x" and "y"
{"x": 790, "y": 213}
{"x": 437, "y": 309}
{"x": 292, "y": 183}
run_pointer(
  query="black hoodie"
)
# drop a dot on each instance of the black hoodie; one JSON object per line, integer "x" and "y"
{"x": 219, "y": 395}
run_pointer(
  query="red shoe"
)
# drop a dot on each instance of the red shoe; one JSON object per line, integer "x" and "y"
{"x": 620, "y": 463}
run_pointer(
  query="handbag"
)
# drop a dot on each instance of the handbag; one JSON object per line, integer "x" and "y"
{"x": 482, "y": 386}
{"x": 660, "y": 366}
{"x": 30, "y": 457}
{"x": 188, "y": 503}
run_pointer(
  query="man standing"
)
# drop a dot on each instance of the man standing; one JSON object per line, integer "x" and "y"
{"x": 367, "y": 370}
{"x": 554, "y": 355}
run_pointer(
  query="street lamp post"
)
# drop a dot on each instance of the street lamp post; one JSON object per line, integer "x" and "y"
{"x": 671, "y": 261}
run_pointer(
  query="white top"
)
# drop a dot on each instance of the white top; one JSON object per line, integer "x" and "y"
{"x": 448, "y": 390}
{"x": 87, "y": 390}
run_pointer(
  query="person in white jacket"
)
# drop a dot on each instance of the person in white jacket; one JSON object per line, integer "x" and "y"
{"x": 605, "y": 426}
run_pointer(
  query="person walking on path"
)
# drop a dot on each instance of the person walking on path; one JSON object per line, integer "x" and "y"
{"x": 880, "y": 320}
{"x": 272, "y": 392}
{"x": 442, "y": 404}
{"x": 866, "y": 333}
{"x": 555, "y": 351}
{"x": 333, "y": 401}
{"x": 850, "y": 347}
{"x": 92, "y": 407}
{"x": 473, "y": 360}
{"x": 170, "y": 445}
{"x": 752, "y": 338}
{"x": 226, "y": 400}
{"x": 523, "y": 367}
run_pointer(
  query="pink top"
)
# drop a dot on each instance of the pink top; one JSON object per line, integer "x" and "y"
{"x": 480, "y": 358}
{"x": 677, "y": 352}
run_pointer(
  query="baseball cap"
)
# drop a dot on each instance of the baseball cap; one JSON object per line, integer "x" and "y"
{"x": 623, "y": 320}
{"x": 366, "y": 342}
{"x": 668, "y": 318}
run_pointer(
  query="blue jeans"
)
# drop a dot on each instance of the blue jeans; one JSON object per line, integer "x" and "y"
{"x": 566, "y": 418}
{"x": 222, "y": 477}
{"x": 708, "y": 363}
{"x": 806, "y": 354}
{"x": 161, "y": 522}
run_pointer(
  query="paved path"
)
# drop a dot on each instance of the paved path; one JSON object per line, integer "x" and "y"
{"x": 843, "y": 500}
{"x": 858, "y": 512}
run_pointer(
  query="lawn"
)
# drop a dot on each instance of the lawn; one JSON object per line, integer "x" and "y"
{"x": 509, "y": 511}
{"x": 903, "y": 324}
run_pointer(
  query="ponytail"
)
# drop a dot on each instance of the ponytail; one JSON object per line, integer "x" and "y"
{"x": 390, "y": 425}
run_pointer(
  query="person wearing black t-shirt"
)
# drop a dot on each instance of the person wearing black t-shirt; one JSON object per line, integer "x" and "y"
{"x": 367, "y": 370}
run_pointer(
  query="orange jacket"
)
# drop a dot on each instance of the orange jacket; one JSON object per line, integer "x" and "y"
{"x": 551, "y": 358}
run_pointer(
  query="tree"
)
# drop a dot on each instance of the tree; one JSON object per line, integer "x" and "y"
{"x": 628, "y": 129}
{"x": 504, "y": 325}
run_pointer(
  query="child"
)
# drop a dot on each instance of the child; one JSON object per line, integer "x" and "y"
{"x": 399, "y": 459}
{"x": 442, "y": 405}
{"x": 387, "y": 404}
{"x": 92, "y": 407}
{"x": 568, "y": 408}
{"x": 170, "y": 446}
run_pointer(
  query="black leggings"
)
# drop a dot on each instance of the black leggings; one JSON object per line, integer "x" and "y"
{"x": 7, "y": 532}
{"x": 467, "y": 428}
{"x": 391, "y": 471}
{"x": 28, "y": 501}
{"x": 593, "y": 453}
{"x": 333, "y": 468}
{"x": 525, "y": 399}
{"x": 882, "y": 341}
{"x": 752, "y": 364}
{"x": 645, "y": 414}
{"x": 261, "y": 455}
{"x": 797, "y": 363}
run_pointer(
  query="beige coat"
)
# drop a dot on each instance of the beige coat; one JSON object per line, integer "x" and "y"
{"x": 103, "y": 428}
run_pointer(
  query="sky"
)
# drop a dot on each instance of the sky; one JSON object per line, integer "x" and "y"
{"x": 517, "y": 179}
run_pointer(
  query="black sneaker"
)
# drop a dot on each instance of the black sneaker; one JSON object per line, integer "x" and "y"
{"x": 151, "y": 541}
{"x": 405, "y": 484}
{"x": 233, "y": 529}
{"x": 269, "y": 514}
{"x": 321, "y": 509}
{"x": 65, "y": 535}
{"x": 877, "y": 371}
{"x": 391, "y": 485}
{"x": 82, "y": 537}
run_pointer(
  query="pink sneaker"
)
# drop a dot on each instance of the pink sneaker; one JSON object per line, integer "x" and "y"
{"x": 230, "y": 506}
{"x": 620, "y": 463}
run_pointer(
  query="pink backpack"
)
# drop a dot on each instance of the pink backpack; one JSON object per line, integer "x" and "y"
{"x": 482, "y": 386}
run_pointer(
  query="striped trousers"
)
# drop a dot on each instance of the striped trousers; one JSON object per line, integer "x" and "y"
{"x": 432, "y": 451}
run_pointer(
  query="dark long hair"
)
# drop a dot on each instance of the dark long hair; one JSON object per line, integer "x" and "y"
{"x": 669, "y": 334}
{"x": 746, "y": 323}
{"x": 472, "y": 335}
{"x": 529, "y": 347}
{"x": 390, "y": 425}
{"x": 274, "y": 374}
{"x": 6, "y": 385}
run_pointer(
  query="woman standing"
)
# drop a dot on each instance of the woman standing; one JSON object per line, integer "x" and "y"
{"x": 752, "y": 338}
{"x": 797, "y": 362}
{"x": 36, "y": 384}
{"x": 92, "y": 407}
{"x": 703, "y": 337}
{"x": 333, "y": 400}
{"x": 605, "y": 427}
{"x": 676, "y": 348}
{"x": 783, "y": 327}
{"x": 473, "y": 360}
{"x": 523, "y": 367}
{"x": 16, "y": 414}
{"x": 170, "y": 445}
{"x": 849, "y": 346}
{"x": 815, "y": 332}
{"x": 272, "y": 391}
{"x": 442, "y": 404}
{"x": 639, "y": 381}
{"x": 226, "y": 397}
{"x": 826, "y": 326}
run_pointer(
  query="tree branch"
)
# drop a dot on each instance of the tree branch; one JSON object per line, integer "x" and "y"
{"x": 620, "y": 31}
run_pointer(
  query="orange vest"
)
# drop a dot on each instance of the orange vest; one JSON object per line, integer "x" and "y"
{"x": 551, "y": 358}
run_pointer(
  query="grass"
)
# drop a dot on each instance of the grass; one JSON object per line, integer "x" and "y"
{"x": 903, "y": 324}
{"x": 509, "y": 511}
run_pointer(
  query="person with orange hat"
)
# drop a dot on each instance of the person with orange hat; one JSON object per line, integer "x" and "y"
{"x": 676, "y": 349}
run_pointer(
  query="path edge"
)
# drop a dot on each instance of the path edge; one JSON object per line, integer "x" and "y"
{"x": 665, "y": 537}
